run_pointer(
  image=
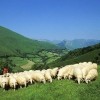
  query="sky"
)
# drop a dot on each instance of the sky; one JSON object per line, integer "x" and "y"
{"x": 52, "y": 19}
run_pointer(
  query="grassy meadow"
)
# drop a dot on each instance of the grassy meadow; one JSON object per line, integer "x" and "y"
{"x": 20, "y": 53}
{"x": 57, "y": 90}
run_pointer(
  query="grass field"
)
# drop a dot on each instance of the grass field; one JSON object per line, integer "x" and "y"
{"x": 57, "y": 90}
{"x": 28, "y": 65}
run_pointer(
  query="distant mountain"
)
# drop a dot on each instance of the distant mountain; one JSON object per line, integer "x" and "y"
{"x": 77, "y": 43}
{"x": 12, "y": 43}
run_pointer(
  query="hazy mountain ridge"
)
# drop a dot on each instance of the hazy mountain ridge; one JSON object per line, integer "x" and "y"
{"x": 77, "y": 43}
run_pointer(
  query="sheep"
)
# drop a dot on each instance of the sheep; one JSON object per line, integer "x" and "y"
{"x": 77, "y": 74}
{"x": 87, "y": 68}
{"x": 47, "y": 76}
{"x": 38, "y": 77}
{"x": 4, "y": 82}
{"x": 12, "y": 82}
{"x": 27, "y": 77}
{"x": 1, "y": 76}
{"x": 69, "y": 73}
{"x": 62, "y": 71}
{"x": 92, "y": 74}
{"x": 21, "y": 80}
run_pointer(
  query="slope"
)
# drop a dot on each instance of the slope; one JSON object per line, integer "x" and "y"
{"x": 91, "y": 53}
{"x": 12, "y": 43}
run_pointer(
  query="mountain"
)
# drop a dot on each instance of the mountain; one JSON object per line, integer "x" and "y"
{"x": 90, "y": 53}
{"x": 77, "y": 43}
{"x": 12, "y": 43}
{"x": 73, "y": 44}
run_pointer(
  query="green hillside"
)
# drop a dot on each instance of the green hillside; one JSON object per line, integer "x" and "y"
{"x": 16, "y": 51}
{"x": 12, "y": 43}
{"x": 91, "y": 53}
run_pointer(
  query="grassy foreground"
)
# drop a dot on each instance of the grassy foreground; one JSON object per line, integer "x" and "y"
{"x": 58, "y": 90}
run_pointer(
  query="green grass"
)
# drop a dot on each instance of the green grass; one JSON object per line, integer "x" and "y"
{"x": 57, "y": 90}
{"x": 18, "y": 61}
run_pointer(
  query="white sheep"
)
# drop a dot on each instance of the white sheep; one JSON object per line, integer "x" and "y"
{"x": 77, "y": 74}
{"x": 92, "y": 74}
{"x": 21, "y": 80}
{"x": 69, "y": 72}
{"x": 4, "y": 82}
{"x": 1, "y": 76}
{"x": 87, "y": 68}
{"x": 27, "y": 77}
{"x": 12, "y": 82}
{"x": 38, "y": 77}
{"x": 62, "y": 71}
{"x": 47, "y": 76}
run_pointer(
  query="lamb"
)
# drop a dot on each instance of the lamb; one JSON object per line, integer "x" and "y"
{"x": 92, "y": 74}
{"x": 77, "y": 74}
{"x": 12, "y": 82}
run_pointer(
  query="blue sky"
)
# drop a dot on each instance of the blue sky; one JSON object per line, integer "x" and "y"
{"x": 52, "y": 19}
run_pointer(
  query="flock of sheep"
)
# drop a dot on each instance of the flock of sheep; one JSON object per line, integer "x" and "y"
{"x": 82, "y": 72}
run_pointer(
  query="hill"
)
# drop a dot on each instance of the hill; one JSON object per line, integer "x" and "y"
{"x": 91, "y": 53}
{"x": 16, "y": 51}
{"x": 12, "y": 43}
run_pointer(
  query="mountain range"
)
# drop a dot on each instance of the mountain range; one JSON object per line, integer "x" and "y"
{"x": 74, "y": 44}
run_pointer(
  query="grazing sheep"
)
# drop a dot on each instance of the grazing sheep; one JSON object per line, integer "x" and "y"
{"x": 12, "y": 82}
{"x": 1, "y": 76}
{"x": 92, "y": 74}
{"x": 69, "y": 72}
{"x": 27, "y": 77}
{"x": 87, "y": 68}
{"x": 4, "y": 82}
{"x": 62, "y": 71}
{"x": 21, "y": 80}
{"x": 77, "y": 74}
{"x": 38, "y": 77}
{"x": 47, "y": 76}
